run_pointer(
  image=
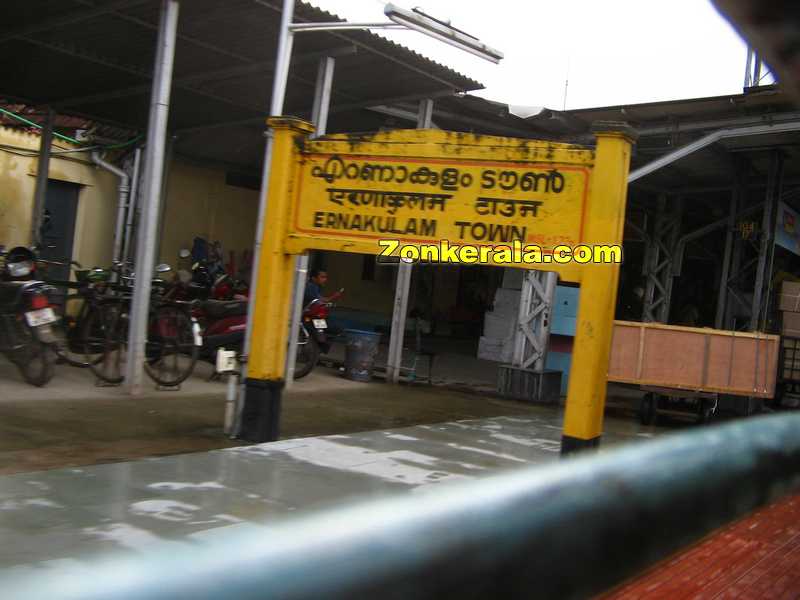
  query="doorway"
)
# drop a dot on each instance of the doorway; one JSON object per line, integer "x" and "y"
{"x": 58, "y": 226}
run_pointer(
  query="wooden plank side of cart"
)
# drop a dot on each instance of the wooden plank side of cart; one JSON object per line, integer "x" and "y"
{"x": 694, "y": 359}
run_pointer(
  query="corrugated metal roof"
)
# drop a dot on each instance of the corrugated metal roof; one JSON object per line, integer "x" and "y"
{"x": 95, "y": 59}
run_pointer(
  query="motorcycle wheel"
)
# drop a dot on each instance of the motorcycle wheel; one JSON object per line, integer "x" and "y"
{"x": 307, "y": 356}
{"x": 36, "y": 363}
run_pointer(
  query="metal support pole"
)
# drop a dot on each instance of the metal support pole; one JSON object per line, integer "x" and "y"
{"x": 280, "y": 77}
{"x": 132, "y": 199}
{"x": 394, "y": 361}
{"x": 154, "y": 167}
{"x": 122, "y": 200}
{"x": 42, "y": 172}
{"x": 319, "y": 117}
{"x": 722, "y": 297}
{"x": 767, "y": 233}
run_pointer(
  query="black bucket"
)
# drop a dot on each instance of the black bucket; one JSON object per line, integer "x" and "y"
{"x": 360, "y": 352}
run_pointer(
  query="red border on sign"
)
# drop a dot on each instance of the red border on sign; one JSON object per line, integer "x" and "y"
{"x": 327, "y": 232}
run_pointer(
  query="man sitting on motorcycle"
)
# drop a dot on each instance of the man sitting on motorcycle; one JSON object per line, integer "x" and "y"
{"x": 314, "y": 288}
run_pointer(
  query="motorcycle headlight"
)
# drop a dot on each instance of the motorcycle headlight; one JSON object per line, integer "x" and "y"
{"x": 20, "y": 269}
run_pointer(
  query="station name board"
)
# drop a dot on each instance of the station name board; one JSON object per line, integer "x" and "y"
{"x": 422, "y": 200}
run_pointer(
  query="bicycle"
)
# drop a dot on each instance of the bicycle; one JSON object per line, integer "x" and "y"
{"x": 172, "y": 345}
{"x": 73, "y": 310}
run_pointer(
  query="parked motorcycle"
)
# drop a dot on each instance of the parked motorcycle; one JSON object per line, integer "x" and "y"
{"x": 313, "y": 336}
{"x": 28, "y": 335}
{"x": 222, "y": 324}
{"x": 204, "y": 282}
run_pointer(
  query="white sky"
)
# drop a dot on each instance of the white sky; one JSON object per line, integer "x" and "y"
{"x": 615, "y": 51}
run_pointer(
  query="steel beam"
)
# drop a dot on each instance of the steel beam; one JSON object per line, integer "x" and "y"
{"x": 70, "y": 19}
{"x": 42, "y": 173}
{"x": 713, "y": 124}
{"x": 394, "y": 361}
{"x": 335, "y": 108}
{"x": 151, "y": 196}
{"x": 722, "y": 295}
{"x": 663, "y": 249}
{"x": 767, "y": 238}
{"x": 707, "y": 140}
{"x": 206, "y": 76}
{"x": 133, "y": 70}
{"x": 319, "y": 116}
{"x": 400, "y": 113}
{"x": 182, "y": 37}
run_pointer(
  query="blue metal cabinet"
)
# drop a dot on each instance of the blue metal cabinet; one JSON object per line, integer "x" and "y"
{"x": 565, "y": 319}
{"x": 565, "y": 311}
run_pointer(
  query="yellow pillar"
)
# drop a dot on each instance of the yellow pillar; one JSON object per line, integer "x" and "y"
{"x": 260, "y": 419}
{"x": 586, "y": 394}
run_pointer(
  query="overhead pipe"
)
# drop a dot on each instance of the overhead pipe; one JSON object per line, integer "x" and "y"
{"x": 122, "y": 202}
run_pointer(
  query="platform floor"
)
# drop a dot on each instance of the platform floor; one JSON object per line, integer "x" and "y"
{"x": 78, "y": 512}
{"x": 757, "y": 557}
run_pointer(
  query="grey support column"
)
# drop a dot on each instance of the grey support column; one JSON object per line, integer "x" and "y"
{"x": 767, "y": 239}
{"x": 151, "y": 196}
{"x": 42, "y": 172}
{"x": 395, "y": 359}
{"x": 532, "y": 333}
{"x": 660, "y": 255}
{"x": 724, "y": 280}
{"x": 319, "y": 116}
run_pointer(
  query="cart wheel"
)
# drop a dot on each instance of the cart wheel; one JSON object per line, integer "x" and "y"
{"x": 648, "y": 409}
{"x": 705, "y": 413}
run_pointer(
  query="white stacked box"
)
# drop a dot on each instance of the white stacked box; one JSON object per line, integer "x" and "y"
{"x": 497, "y": 326}
{"x": 497, "y": 341}
{"x": 494, "y": 350}
{"x": 512, "y": 278}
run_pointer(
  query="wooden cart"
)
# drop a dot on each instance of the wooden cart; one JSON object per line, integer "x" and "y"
{"x": 687, "y": 369}
{"x": 670, "y": 401}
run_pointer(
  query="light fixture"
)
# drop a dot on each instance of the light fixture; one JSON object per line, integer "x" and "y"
{"x": 424, "y": 23}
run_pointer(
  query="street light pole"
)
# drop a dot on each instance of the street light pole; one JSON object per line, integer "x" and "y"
{"x": 268, "y": 416}
{"x": 284, "y": 57}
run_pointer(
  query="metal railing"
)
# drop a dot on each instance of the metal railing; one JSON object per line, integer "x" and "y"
{"x": 568, "y": 530}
